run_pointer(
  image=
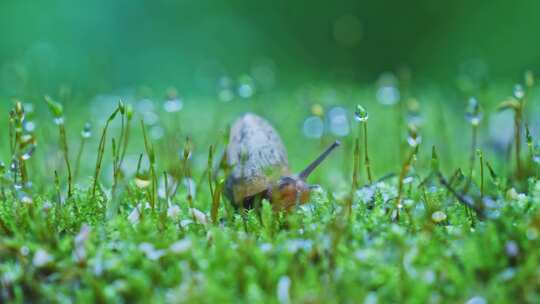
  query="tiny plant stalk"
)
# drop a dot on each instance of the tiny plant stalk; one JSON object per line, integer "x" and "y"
{"x": 398, "y": 114}
{"x": 414, "y": 141}
{"x": 210, "y": 163}
{"x": 187, "y": 175}
{"x": 151, "y": 157}
{"x": 472, "y": 159}
{"x": 481, "y": 159}
{"x": 216, "y": 201}
{"x": 128, "y": 115}
{"x": 474, "y": 116}
{"x": 366, "y": 155}
{"x": 517, "y": 104}
{"x": 78, "y": 159}
{"x": 517, "y": 130}
{"x": 356, "y": 163}
{"x": 521, "y": 95}
{"x": 354, "y": 185}
{"x": 101, "y": 151}
{"x": 529, "y": 145}
{"x": 361, "y": 115}
{"x": 12, "y": 132}
{"x": 58, "y": 113}
{"x": 404, "y": 170}
{"x": 16, "y": 156}
{"x": 66, "y": 158}
{"x": 85, "y": 135}
{"x": 494, "y": 177}
{"x": 118, "y": 156}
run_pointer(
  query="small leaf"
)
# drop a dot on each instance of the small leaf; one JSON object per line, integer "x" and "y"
{"x": 55, "y": 107}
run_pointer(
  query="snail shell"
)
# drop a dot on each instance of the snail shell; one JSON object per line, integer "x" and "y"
{"x": 257, "y": 157}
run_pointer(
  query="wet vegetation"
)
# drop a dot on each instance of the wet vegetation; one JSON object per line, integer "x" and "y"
{"x": 432, "y": 197}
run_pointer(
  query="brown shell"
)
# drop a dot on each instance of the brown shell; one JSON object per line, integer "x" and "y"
{"x": 256, "y": 156}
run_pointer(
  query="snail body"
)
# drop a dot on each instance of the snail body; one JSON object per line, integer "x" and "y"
{"x": 260, "y": 167}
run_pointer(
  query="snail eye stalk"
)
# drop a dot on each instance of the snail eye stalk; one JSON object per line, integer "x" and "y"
{"x": 307, "y": 171}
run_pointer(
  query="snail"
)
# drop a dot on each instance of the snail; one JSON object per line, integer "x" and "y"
{"x": 260, "y": 169}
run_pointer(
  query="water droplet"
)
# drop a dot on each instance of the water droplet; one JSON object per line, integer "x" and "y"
{"x": 473, "y": 114}
{"x": 408, "y": 180}
{"x": 199, "y": 216}
{"x": 246, "y": 87}
{"x": 371, "y": 298}
{"x": 25, "y": 199}
{"x": 27, "y": 154}
{"x": 313, "y": 127}
{"x": 14, "y": 166}
{"x": 58, "y": 120}
{"x": 190, "y": 186}
{"x": 438, "y": 216}
{"x": 245, "y": 90}
{"x": 536, "y": 153}
{"x": 225, "y": 89}
{"x": 42, "y": 258}
{"x": 283, "y": 286}
{"x": 387, "y": 91}
{"x": 519, "y": 91}
{"x": 181, "y": 246}
{"x": 142, "y": 180}
{"x": 508, "y": 274}
{"x": 413, "y": 139}
{"x": 413, "y": 112}
{"x": 173, "y": 212}
{"x": 87, "y": 131}
{"x": 24, "y": 250}
{"x": 361, "y": 114}
{"x": 339, "y": 123}
{"x": 29, "y": 126}
{"x": 266, "y": 247}
{"x": 388, "y": 95}
{"x": 150, "y": 252}
{"x": 134, "y": 216}
{"x": 476, "y": 300}
{"x": 511, "y": 248}
{"x": 173, "y": 105}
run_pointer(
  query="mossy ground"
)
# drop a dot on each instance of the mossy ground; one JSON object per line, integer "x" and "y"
{"x": 132, "y": 246}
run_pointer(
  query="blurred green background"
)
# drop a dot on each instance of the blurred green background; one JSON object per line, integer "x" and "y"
{"x": 101, "y": 45}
